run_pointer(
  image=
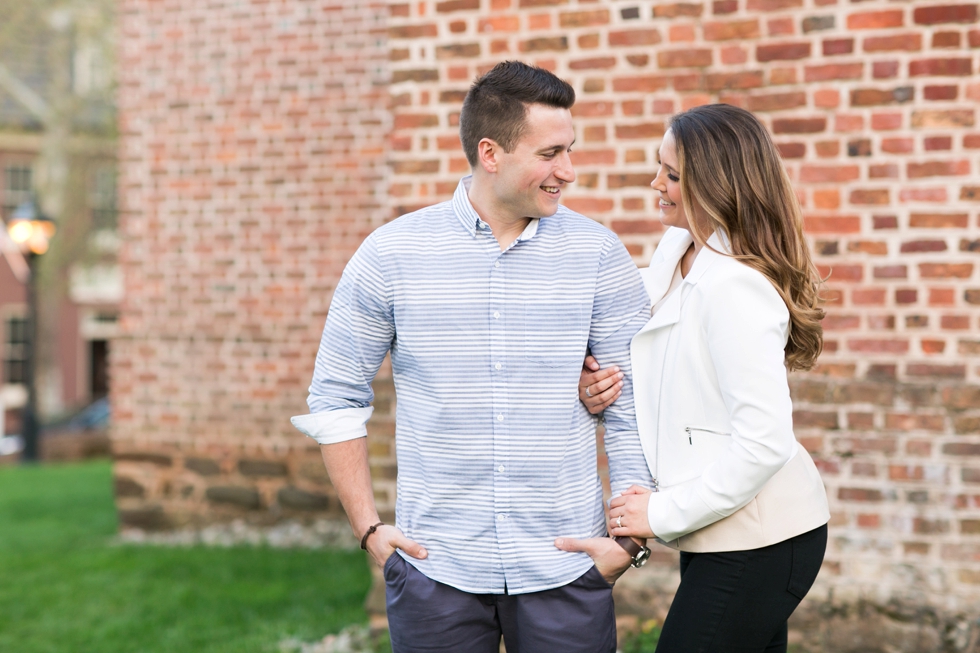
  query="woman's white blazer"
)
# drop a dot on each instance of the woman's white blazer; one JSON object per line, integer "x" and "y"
{"x": 713, "y": 407}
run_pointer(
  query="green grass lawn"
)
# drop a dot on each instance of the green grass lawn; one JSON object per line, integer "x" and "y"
{"x": 65, "y": 587}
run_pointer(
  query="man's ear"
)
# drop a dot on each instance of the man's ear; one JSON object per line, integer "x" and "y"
{"x": 487, "y": 151}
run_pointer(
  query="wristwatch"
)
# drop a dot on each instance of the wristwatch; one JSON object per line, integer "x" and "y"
{"x": 640, "y": 554}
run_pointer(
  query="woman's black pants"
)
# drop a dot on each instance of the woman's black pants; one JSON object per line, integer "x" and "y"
{"x": 741, "y": 600}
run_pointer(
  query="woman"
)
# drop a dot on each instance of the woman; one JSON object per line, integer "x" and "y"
{"x": 735, "y": 305}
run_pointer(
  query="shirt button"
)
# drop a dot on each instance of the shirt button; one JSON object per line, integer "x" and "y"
{"x": 501, "y": 469}
{"x": 500, "y": 417}
{"x": 501, "y": 517}
{"x": 497, "y": 366}
{"x": 496, "y": 315}
{"x": 496, "y": 264}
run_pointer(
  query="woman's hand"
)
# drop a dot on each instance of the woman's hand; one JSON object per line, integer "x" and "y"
{"x": 609, "y": 558}
{"x": 628, "y": 513}
{"x": 599, "y": 388}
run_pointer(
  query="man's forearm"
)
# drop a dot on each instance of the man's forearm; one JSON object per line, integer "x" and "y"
{"x": 350, "y": 473}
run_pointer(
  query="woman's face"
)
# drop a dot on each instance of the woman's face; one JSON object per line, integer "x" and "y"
{"x": 668, "y": 185}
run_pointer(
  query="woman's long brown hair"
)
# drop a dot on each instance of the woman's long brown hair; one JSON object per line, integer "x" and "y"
{"x": 733, "y": 178}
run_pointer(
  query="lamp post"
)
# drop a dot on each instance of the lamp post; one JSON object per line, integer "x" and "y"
{"x": 32, "y": 231}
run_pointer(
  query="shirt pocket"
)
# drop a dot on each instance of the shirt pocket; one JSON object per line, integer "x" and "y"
{"x": 555, "y": 333}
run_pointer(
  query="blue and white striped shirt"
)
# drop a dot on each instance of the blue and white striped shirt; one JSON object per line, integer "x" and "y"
{"x": 496, "y": 455}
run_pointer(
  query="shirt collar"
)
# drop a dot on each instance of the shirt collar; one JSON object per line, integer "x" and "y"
{"x": 470, "y": 219}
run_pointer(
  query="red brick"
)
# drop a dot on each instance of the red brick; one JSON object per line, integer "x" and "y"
{"x": 891, "y": 272}
{"x": 868, "y": 196}
{"x": 923, "y": 246}
{"x": 826, "y": 198}
{"x": 832, "y": 47}
{"x": 427, "y": 30}
{"x": 508, "y": 23}
{"x": 923, "y": 195}
{"x": 678, "y": 9}
{"x": 583, "y": 18}
{"x": 946, "y": 40}
{"x": 860, "y": 494}
{"x": 876, "y": 19}
{"x": 731, "y": 30}
{"x": 772, "y": 5}
{"x": 448, "y": 6}
{"x": 777, "y": 101}
{"x": 937, "y": 143}
{"x": 644, "y": 130}
{"x": 945, "y": 270}
{"x": 722, "y": 7}
{"x": 939, "y": 93}
{"x": 945, "y": 14}
{"x": 642, "y": 84}
{"x": 938, "y": 220}
{"x": 828, "y": 174}
{"x": 879, "y": 345}
{"x": 945, "y": 66}
{"x": 822, "y": 73}
{"x": 541, "y": 3}
{"x": 593, "y": 63}
{"x": 415, "y": 120}
{"x": 907, "y": 42}
{"x": 782, "y": 51}
{"x": 970, "y": 193}
{"x": 458, "y": 50}
{"x": 799, "y": 125}
{"x": 814, "y": 419}
{"x": 743, "y": 80}
{"x": 626, "y": 227}
{"x": 629, "y": 180}
{"x": 686, "y": 58}
{"x": 416, "y": 75}
{"x": 635, "y": 37}
{"x": 544, "y": 44}
{"x": 835, "y": 322}
{"x": 681, "y": 33}
{"x": 906, "y": 296}
{"x": 869, "y": 521}
{"x": 832, "y": 224}
{"x": 886, "y": 121}
{"x": 589, "y": 205}
{"x": 593, "y": 157}
{"x": 588, "y": 41}
{"x": 944, "y": 118}
{"x": 883, "y": 171}
{"x": 865, "y": 97}
{"x": 938, "y": 169}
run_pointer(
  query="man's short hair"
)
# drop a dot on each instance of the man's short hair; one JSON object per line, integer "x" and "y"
{"x": 496, "y": 105}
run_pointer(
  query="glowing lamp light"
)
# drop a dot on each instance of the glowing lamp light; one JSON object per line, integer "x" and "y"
{"x": 30, "y": 229}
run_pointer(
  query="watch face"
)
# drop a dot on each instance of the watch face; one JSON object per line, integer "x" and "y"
{"x": 641, "y": 558}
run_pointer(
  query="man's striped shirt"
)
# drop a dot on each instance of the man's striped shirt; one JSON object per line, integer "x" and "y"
{"x": 496, "y": 455}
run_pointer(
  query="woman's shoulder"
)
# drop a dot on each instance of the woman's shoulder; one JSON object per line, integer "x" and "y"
{"x": 727, "y": 280}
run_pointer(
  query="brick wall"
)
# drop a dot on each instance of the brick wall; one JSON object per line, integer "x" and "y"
{"x": 874, "y": 107}
{"x": 252, "y": 166}
{"x": 261, "y": 143}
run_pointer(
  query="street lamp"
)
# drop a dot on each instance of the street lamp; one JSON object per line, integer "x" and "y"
{"x": 31, "y": 230}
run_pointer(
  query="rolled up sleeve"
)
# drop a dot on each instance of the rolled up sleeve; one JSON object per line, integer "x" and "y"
{"x": 357, "y": 336}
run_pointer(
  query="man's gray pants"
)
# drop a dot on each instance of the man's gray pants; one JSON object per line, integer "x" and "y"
{"x": 425, "y": 616}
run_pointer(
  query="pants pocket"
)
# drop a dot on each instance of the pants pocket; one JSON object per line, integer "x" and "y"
{"x": 389, "y": 565}
{"x": 808, "y": 551}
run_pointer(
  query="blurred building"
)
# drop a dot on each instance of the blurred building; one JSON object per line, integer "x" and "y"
{"x": 261, "y": 142}
{"x": 57, "y": 147}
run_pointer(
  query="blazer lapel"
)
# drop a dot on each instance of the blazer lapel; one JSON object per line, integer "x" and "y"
{"x": 657, "y": 277}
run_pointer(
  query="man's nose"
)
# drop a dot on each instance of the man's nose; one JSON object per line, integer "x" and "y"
{"x": 565, "y": 171}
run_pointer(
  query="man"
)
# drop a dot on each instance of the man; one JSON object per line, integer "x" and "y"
{"x": 488, "y": 303}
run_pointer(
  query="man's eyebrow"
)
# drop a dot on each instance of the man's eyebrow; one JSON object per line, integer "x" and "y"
{"x": 549, "y": 148}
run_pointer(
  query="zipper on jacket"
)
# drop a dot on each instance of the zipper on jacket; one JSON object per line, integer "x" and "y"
{"x": 656, "y": 486}
{"x": 688, "y": 429}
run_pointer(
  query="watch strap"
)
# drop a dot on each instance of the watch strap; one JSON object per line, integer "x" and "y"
{"x": 629, "y": 545}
